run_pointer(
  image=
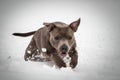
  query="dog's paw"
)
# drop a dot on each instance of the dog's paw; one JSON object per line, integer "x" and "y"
{"x": 73, "y": 64}
{"x": 61, "y": 64}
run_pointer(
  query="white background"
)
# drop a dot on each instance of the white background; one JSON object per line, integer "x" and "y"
{"x": 98, "y": 38}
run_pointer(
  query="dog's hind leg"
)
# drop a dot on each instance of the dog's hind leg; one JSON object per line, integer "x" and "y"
{"x": 31, "y": 51}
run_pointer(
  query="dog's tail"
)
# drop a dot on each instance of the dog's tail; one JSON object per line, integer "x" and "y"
{"x": 24, "y": 34}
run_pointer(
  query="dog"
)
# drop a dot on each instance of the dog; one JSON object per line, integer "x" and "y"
{"x": 53, "y": 42}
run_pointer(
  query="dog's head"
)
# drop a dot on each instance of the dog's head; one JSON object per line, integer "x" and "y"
{"x": 62, "y": 36}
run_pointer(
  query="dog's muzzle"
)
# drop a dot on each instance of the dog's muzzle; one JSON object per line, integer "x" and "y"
{"x": 64, "y": 49}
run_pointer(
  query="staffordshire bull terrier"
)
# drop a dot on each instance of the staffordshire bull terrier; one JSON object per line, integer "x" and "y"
{"x": 53, "y": 42}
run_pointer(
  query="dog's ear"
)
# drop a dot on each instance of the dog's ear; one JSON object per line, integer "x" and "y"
{"x": 50, "y": 26}
{"x": 74, "y": 25}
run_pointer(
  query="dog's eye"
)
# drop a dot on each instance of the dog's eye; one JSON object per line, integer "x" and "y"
{"x": 69, "y": 38}
{"x": 57, "y": 38}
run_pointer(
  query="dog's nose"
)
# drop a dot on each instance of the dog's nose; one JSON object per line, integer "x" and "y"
{"x": 64, "y": 48}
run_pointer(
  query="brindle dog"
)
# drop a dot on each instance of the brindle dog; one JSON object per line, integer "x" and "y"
{"x": 53, "y": 42}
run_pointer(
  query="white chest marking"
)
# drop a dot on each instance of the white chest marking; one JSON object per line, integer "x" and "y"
{"x": 67, "y": 60}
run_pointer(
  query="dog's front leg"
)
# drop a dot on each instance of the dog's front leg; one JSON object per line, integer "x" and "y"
{"x": 74, "y": 58}
{"x": 58, "y": 61}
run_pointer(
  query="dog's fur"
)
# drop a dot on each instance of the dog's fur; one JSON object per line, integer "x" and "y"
{"x": 53, "y": 37}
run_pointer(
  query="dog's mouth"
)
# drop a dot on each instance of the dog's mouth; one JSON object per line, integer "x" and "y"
{"x": 63, "y": 53}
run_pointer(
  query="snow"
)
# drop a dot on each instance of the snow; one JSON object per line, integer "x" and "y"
{"x": 97, "y": 39}
{"x": 28, "y": 51}
{"x": 43, "y": 49}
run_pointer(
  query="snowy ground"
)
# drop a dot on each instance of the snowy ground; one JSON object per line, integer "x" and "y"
{"x": 98, "y": 39}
